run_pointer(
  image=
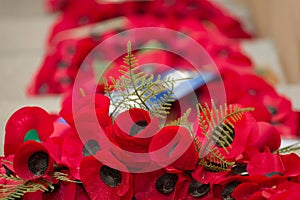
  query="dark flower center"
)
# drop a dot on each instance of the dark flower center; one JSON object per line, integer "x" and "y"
{"x": 138, "y": 127}
{"x": 223, "y": 52}
{"x": 252, "y": 92}
{"x": 83, "y": 20}
{"x": 8, "y": 172}
{"x": 38, "y": 163}
{"x": 228, "y": 189}
{"x": 272, "y": 110}
{"x": 91, "y": 147}
{"x": 62, "y": 64}
{"x": 240, "y": 169}
{"x": 166, "y": 183}
{"x": 223, "y": 135}
{"x": 110, "y": 176}
{"x": 197, "y": 189}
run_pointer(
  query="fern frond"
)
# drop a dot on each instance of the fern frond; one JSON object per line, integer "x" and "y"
{"x": 135, "y": 89}
{"x": 214, "y": 167}
{"x": 217, "y": 126}
{"x": 217, "y": 123}
{"x": 182, "y": 121}
{"x": 215, "y": 160}
{"x": 11, "y": 177}
{"x": 64, "y": 177}
{"x": 16, "y": 191}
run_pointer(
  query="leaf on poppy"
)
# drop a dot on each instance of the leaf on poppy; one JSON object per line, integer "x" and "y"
{"x": 19, "y": 187}
{"x": 217, "y": 126}
{"x": 135, "y": 89}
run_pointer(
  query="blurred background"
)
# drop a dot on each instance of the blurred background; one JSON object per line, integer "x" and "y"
{"x": 24, "y": 26}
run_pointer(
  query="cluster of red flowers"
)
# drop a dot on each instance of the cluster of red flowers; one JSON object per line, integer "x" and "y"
{"x": 214, "y": 29}
{"x": 41, "y": 149}
{"x": 227, "y": 152}
{"x": 70, "y": 39}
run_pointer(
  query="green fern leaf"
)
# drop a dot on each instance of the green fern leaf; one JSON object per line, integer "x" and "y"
{"x": 16, "y": 191}
{"x": 182, "y": 121}
{"x": 64, "y": 177}
{"x": 217, "y": 125}
{"x": 135, "y": 89}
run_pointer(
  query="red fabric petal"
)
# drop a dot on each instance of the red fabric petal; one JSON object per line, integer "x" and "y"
{"x": 84, "y": 107}
{"x": 265, "y": 164}
{"x": 65, "y": 191}
{"x": 174, "y": 146}
{"x": 22, "y": 121}
{"x": 94, "y": 185}
{"x": 145, "y": 185}
{"x": 21, "y": 165}
{"x": 268, "y": 137}
{"x": 127, "y": 123}
{"x": 245, "y": 190}
{"x": 291, "y": 163}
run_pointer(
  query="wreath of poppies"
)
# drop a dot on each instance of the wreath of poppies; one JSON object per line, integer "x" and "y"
{"x": 215, "y": 151}
{"x": 222, "y": 153}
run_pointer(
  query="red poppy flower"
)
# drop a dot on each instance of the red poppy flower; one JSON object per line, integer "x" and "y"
{"x": 265, "y": 164}
{"x": 174, "y": 146}
{"x": 42, "y": 83}
{"x": 258, "y": 187}
{"x": 28, "y": 123}
{"x": 84, "y": 109}
{"x": 267, "y": 136}
{"x": 32, "y": 161}
{"x": 233, "y": 136}
{"x": 159, "y": 184}
{"x": 102, "y": 181}
{"x": 271, "y": 164}
{"x": 193, "y": 189}
{"x": 283, "y": 118}
{"x": 77, "y": 145}
{"x": 133, "y": 130}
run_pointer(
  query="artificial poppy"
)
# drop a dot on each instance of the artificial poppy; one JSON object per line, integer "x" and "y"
{"x": 102, "y": 181}
{"x": 133, "y": 130}
{"x": 84, "y": 108}
{"x": 174, "y": 146}
{"x": 27, "y": 123}
{"x": 160, "y": 184}
{"x": 32, "y": 161}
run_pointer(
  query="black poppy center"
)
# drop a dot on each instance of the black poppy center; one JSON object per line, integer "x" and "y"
{"x": 228, "y": 189}
{"x": 272, "y": 110}
{"x": 239, "y": 169}
{"x": 110, "y": 176}
{"x": 38, "y": 163}
{"x": 197, "y": 189}
{"x": 223, "y": 135}
{"x": 166, "y": 183}
{"x": 91, "y": 147}
{"x": 138, "y": 127}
